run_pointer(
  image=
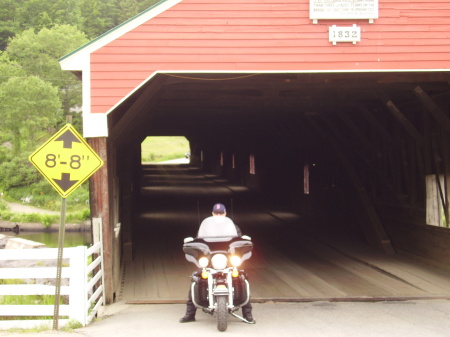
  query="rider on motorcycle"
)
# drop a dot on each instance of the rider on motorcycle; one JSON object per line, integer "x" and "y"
{"x": 217, "y": 225}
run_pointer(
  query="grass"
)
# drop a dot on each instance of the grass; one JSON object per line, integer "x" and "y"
{"x": 46, "y": 219}
{"x": 72, "y": 325}
{"x": 158, "y": 149}
{"x": 25, "y": 300}
{"x": 41, "y": 328}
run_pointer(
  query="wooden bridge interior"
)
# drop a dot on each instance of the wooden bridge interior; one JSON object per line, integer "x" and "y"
{"x": 369, "y": 139}
{"x": 294, "y": 259}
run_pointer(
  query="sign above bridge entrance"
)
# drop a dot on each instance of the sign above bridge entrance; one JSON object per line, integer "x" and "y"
{"x": 343, "y": 9}
{"x": 66, "y": 160}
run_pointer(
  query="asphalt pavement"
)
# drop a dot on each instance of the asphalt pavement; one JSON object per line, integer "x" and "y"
{"x": 430, "y": 318}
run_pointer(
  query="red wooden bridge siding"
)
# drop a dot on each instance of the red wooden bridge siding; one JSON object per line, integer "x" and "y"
{"x": 268, "y": 35}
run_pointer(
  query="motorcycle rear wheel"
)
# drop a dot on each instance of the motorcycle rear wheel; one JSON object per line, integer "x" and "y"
{"x": 221, "y": 313}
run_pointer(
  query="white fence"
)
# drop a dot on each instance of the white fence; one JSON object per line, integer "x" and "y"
{"x": 78, "y": 281}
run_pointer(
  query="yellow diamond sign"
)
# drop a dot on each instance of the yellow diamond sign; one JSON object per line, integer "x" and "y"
{"x": 66, "y": 160}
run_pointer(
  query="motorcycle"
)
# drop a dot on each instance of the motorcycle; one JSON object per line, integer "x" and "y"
{"x": 220, "y": 288}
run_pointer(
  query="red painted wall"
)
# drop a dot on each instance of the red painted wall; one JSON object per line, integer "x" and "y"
{"x": 268, "y": 35}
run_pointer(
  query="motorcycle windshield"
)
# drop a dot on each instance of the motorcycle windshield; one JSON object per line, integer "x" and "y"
{"x": 240, "y": 247}
{"x": 206, "y": 247}
{"x": 196, "y": 249}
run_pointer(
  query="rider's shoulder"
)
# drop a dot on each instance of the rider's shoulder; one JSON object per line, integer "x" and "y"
{"x": 214, "y": 219}
{"x": 206, "y": 220}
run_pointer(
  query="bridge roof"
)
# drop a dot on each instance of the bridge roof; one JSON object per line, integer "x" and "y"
{"x": 246, "y": 37}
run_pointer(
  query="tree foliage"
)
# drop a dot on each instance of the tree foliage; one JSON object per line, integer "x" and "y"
{"x": 16, "y": 172}
{"x": 8, "y": 25}
{"x": 92, "y": 17}
{"x": 38, "y": 54}
{"x": 30, "y": 106}
{"x": 35, "y": 94}
{"x": 9, "y": 69}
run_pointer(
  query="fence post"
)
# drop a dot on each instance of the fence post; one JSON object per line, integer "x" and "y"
{"x": 78, "y": 281}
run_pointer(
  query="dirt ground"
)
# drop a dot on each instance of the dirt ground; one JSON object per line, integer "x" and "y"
{"x": 22, "y": 208}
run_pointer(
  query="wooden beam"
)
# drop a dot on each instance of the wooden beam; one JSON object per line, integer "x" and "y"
{"x": 100, "y": 201}
{"x": 373, "y": 230}
{"x": 409, "y": 127}
{"x": 441, "y": 187}
{"x": 363, "y": 155}
{"x": 433, "y": 108}
{"x": 376, "y": 124}
{"x": 134, "y": 114}
{"x": 413, "y": 174}
{"x": 447, "y": 184}
{"x": 444, "y": 188}
{"x": 386, "y": 148}
{"x": 360, "y": 135}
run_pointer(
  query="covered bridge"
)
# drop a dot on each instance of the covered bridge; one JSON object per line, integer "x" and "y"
{"x": 324, "y": 124}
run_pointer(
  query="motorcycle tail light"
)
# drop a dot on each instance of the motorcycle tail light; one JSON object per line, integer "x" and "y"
{"x": 219, "y": 261}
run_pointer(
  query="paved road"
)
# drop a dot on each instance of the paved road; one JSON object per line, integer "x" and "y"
{"x": 316, "y": 319}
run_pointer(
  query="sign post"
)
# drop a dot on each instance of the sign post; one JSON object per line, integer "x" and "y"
{"x": 59, "y": 263}
{"x": 66, "y": 160}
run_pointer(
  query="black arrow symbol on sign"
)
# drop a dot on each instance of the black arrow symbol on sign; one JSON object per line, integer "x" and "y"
{"x": 68, "y": 138}
{"x": 65, "y": 183}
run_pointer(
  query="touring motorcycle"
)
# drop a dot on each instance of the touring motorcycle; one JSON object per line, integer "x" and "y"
{"x": 219, "y": 287}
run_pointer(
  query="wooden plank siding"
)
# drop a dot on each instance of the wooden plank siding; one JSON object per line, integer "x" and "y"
{"x": 271, "y": 35}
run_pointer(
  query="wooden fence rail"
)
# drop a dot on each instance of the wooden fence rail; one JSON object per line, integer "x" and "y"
{"x": 82, "y": 279}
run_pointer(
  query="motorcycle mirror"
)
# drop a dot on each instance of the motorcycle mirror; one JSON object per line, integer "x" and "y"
{"x": 246, "y": 237}
{"x": 189, "y": 239}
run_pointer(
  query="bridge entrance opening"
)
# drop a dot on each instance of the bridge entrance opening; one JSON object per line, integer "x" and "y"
{"x": 326, "y": 171}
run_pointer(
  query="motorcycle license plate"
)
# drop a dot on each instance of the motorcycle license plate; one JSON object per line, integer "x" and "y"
{"x": 220, "y": 289}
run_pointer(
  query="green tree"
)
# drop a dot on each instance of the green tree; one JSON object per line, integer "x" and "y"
{"x": 38, "y": 54}
{"x": 34, "y": 14}
{"x": 99, "y": 16}
{"x": 9, "y": 69}
{"x": 66, "y": 12}
{"x": 145, "y": 4}
{"x": 128, "y": 9}
{"x": 16, "y": 171}
{"x": 9, "y": 25}
{"x": 29, "y": 107}
{"x": 95, "y": 18}
{"x": 109, "y": 10}
{"x": 38, "y": 14}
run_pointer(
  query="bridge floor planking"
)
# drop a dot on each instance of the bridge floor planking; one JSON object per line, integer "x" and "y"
{"x": 290, "y": 261}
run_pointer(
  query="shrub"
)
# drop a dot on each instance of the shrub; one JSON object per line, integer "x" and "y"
{"x": 6, "y": 215}
{"x": 72, "y": 325}
{"x": 17, "y": 172}
{"x": 85, "y": 214}
{"x": 3, "y": 206}
{"x": 31, "y": 218}
{"x": 47, "y": 220}
{"x": 80, "y": 215}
